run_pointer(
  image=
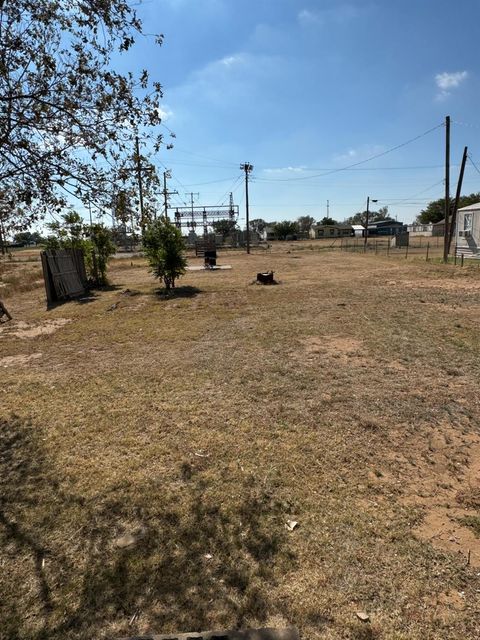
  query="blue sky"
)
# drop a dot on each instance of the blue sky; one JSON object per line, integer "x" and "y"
{"x": 300, "y": 87}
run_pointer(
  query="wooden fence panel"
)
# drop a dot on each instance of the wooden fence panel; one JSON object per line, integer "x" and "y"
{"x": 64, "y": 274}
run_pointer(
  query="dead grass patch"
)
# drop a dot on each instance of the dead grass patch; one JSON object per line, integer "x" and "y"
{"x": 152, "y": 456}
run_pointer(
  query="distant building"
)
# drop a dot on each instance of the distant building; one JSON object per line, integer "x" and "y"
{"x": 387, "y": 227}
{"x": 438, "y": 228}
{"x": 358, "y": 230}
{"x": 416, "y": 230}
{"x": 331, "y": 231}
{"x": 467, "y": 236}
{"x": 268, "y": 233}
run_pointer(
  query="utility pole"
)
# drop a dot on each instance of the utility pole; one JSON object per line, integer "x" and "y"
{"x": 166, "y": 175}
{"x": 457, "y": 198}
{"x": 248, "y": 168}
{"x": 366, "y": 223}
{"x": 140, "y": 184}
{"x": 328, "y": 208}
{"x": 447, "y": 189}
{"x": 192, "y": 195}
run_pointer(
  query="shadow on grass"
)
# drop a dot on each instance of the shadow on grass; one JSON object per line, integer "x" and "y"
{"x": 109, "y": 287}
{"x": 191, "y": 562}
{"x": 185, "y": 291}
{"x": 92, "y": 295}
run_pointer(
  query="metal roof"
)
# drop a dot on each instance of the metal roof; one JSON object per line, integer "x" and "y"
{"x": 471, "y": 207}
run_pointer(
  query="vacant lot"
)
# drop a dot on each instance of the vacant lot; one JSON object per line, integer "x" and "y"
{"x": 152, "y": 451}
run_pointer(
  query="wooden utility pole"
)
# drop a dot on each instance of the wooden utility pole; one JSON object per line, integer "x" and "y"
{"x": 166, "y": 176}
{"x": 140, "y": 183}
{"x": 457, "y": 198}
{"x": 447, "y": 189}
{"x": 165, "y": 194}
{"x": 248, "y": 168}
{"x": 366, "y": 223}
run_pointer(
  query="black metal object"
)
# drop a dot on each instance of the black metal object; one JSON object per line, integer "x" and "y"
{"x": 290, "y": 633}
{"x": 4, "y": 311}
{"x": 210, "y": 256}
{"x": 265, "y": 278}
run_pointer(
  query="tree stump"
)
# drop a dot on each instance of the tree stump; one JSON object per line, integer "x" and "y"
{"x": 4, "y": 311}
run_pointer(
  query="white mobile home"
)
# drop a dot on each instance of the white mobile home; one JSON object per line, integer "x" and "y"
{"x": 467, "y": 236}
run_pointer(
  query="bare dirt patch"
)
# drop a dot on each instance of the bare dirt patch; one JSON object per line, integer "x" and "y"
{"x": 344, "y": 349}
{"x": 444, "y": 480}
{"x": 14, "y": 361}
{"x": 25, "y": 330}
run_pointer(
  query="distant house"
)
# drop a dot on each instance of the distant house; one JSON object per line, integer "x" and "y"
{"x": 358, "y": 230}
{"x": 387, "y": 227}
{"x": 438, "y": 228}
{"x": 420, "y": 229}
{"x": 331, "y": 231}
{"x": 268, "y": 233}
{"x": 467, "y": 236}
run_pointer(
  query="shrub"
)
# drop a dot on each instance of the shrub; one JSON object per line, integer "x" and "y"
{"x": 163, "y": 245}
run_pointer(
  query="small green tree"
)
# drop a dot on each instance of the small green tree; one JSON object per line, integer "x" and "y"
{"x": 95, "y": 241}
{"x": 305, "y": 223}
{"x": 258, "y": 225}
{"x": 103, "y": 248}
{"x": 284, "y": 229}
{"x": 164, "y": 246}
{"x": 328, "y": 221}
{"x": 224, "y": 227}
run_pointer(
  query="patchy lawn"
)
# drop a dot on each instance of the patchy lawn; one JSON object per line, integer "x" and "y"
{"x": 153, "y": 449}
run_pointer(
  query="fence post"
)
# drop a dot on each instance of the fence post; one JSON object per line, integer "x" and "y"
{"x": 388, "y": 247}
{"x": 462, "y": 260}
{"x": 428, "y": 248}
{"x": 406, "y": 252}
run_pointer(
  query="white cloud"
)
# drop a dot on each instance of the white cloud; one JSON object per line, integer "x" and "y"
{"x": 446, "y": 81}
{"x": 285, "y": 169}
{"x": 228, "y": 61}
{"x": 306, "y": 17}
{"x": 164, "y": 112}
{"x": 358, "y": 155}
{"x": 232, "y": 79}
{"x": 338, "y": 14}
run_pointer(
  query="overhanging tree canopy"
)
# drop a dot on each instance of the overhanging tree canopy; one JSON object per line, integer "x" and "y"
{"x": 67, "y": 118}
{"x": 435, "y": 210}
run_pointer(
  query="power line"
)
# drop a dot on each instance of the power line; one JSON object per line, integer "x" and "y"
{"x": 199, "y": 184}
{"x": 331, "y": 169}
{"x": 231, "y": 189}
{"x": 394, "y": 202}
{"x": 199, "y": 155}
{"x": 356, "y": 164}
{"x": 473, "y": 163}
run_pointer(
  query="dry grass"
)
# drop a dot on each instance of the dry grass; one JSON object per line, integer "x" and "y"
{"x": 16, "y": 278}
{"x": 154, "y": 450}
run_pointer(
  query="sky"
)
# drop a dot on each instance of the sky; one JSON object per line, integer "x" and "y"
{"x": 302, "y": 89}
